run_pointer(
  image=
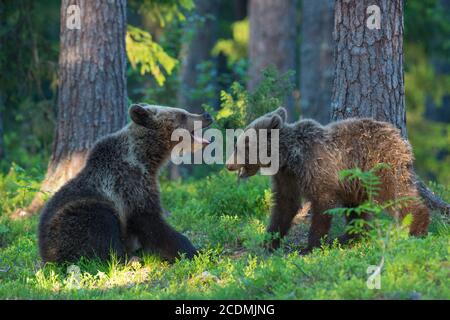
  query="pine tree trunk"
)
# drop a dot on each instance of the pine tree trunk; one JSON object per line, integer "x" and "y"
{"x": 272, "y": 40}
{"x": 369, "y": 63}
{"x": 369, "y": 69}
{"x": 92, "y": 88}
{"x": 316, "y": 66}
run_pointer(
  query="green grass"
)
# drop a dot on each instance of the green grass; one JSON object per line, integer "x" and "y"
{"x": 227, "y": 221}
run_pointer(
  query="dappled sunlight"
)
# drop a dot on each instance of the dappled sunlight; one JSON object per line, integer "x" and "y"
{"x": 233, "y": 263}
{"x": 341, "y": 163}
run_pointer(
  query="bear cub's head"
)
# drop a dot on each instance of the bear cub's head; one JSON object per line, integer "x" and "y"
{"x": 240, "y": 160}
{"x": 163, "y": 121}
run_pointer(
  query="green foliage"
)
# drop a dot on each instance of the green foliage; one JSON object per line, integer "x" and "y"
{"x": 427, "y": 34}
{"x": 233, "y": 107}
{"x": 143, "y": 51}
{"x": 368, "y": 179}
{"x": 442, "y": 191}
{"x": 28, "y": 77}
{"x": 17, "y": 188}
{"x": 232, "y": 263}
{"x": 205, "y": 86}
{"x": 270, "y": 93}
{"x": 234, "y": 49}
{"x": 423, "y": 84}
{"x": 380, "y": 229}
{"x": 421, "y": 80}
{"x": 239, "y": 107}
{"x": 163, "y": 12}
{"x": 427, "y": 22}
{"x": 149, "y": 55}
{"x": 210, "y": 204}
{"x": 223, "y": 217}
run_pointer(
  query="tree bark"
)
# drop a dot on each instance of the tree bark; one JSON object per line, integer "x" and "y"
{"x": 369, "y": 63}
{"x": 369, "y": 69}
{"x": 92, "y": 88}
{"x": 316, "y": 65}
{"x": 272, "y": 40}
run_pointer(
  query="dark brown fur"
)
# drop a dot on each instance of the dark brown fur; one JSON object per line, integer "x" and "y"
{"x": 311, "y": 157}
{"x": 113, "y": 204}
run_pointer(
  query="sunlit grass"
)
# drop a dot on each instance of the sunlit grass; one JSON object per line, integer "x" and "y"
{"x": 232, "y": 263}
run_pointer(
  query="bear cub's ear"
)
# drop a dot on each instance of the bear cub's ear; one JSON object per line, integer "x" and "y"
{"x": 282, "y": 113}
{"x": 276, "y": 122}
{"x": 139, "y": 115}
{"x": 273, "y": 121}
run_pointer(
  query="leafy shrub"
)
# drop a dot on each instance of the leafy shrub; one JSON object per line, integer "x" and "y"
{"x": 232, "y": 263}
{"x": 17, "y": 188}
{"x": 149, "y": 55}
{"x": 380, "y": 229}
{"x": 239, "y": 107}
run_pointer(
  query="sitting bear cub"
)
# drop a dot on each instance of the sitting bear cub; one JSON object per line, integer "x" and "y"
{"x": 310, "y": 159}
{"x": 113, "y": 204}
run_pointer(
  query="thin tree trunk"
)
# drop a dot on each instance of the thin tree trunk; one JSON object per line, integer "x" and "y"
{"x": 369, "y": 69}
{"x": 92, "y": 88}
{"x": 196, "y": 51}
{"x": 316, "y": 66}
{"x": 240, "y": 9}
{"x": 203, "y": 35}
{"x": 272, "y": 40}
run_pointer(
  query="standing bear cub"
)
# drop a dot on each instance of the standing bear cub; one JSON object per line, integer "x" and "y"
{"x": 310, "y": 159}
{"x": 113, "y": 204}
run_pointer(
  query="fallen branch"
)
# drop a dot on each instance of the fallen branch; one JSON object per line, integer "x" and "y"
{"x": 432, "y": 201}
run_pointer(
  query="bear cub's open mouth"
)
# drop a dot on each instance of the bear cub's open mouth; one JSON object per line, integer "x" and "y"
{"x": 196, "y": 135}
{"x": 199, "y": 139}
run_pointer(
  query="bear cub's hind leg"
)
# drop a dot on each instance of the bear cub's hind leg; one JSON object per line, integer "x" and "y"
{"x": 156, "y": 236}
{"x": 84, "y": 229}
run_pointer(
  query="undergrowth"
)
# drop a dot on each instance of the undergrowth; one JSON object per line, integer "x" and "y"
{"x": 226, "y": 220}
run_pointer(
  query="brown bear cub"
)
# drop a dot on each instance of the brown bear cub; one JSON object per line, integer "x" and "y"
{"x": 113, "y": 204}
{"x": 310, "y": 159}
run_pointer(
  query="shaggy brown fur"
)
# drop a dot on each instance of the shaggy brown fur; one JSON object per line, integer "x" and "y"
{"x": 113, "y": 204}
{"x": 311, "y": 157}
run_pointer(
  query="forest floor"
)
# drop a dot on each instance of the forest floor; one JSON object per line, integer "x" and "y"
{"x": 227, "y": 221}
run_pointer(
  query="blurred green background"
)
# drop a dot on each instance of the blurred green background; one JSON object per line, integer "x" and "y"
{"x": 29, "y": 34}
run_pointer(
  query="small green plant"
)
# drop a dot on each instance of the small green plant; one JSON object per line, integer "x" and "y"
{"x": 239, "y": 106}
{"x": 271, "y": 93}
{"x": 232, "y": 262}
{"x": 379, "y": 229}
{"x": 370, "y": 182}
